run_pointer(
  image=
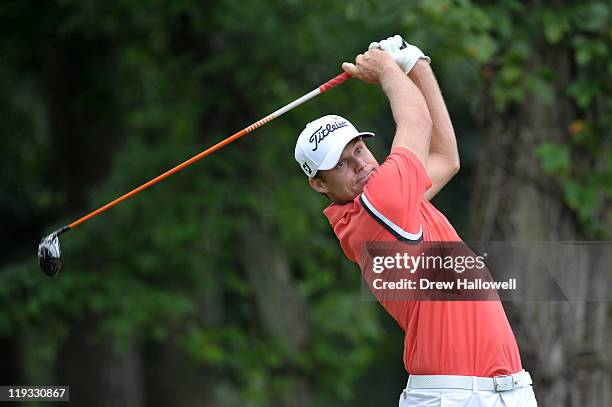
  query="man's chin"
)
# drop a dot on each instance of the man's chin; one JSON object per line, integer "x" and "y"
{"x": 349, "y": 197}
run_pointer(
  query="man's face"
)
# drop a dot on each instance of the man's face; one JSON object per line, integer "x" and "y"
{"x": 346, "y": 180}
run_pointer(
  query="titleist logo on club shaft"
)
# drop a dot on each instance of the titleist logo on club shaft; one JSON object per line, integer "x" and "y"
{"x": 322, "y": 132}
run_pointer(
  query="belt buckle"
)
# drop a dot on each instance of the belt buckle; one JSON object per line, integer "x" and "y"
{"x": 503, "y": 383}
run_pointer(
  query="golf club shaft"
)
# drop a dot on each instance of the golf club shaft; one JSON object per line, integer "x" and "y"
{"x": 325, "y": 87}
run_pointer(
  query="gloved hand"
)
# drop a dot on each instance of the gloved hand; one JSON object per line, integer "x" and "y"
{"x": 404, "y": 54}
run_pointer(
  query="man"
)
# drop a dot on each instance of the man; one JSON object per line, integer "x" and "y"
{"x": 458, "y": 353}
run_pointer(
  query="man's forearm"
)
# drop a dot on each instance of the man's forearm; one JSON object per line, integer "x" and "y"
{"x": 443, "y": 157}
{"x": 443, "y": 140}
{"x": 410, "y": 112}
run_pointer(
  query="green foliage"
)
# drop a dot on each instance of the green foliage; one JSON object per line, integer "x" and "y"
{"x": 586, "y": 187}
{"x": 579, "y": 30}
{"x": 555, "y": 158}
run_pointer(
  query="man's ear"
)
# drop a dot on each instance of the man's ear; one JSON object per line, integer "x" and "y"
{"x": 318, "y": 185}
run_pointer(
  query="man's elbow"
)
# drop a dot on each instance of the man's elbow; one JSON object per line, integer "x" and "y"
{"x": 450, "y": 167}
{"x": 454, "y": 166}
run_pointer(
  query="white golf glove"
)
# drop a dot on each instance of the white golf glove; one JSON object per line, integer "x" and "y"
{"x": 405, "y": 55}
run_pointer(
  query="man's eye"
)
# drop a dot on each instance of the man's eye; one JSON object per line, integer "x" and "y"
{"x": 358, "y": 150}
{"x": 340, "y": 164}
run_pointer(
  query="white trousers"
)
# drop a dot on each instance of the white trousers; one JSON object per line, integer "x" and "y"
{"x": 521, "y": 397}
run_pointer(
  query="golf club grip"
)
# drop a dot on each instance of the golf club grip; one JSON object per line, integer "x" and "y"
{"x": 334, "y": 82}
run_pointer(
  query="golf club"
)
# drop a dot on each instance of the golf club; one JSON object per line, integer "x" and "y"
{"x": 49, "y": 247}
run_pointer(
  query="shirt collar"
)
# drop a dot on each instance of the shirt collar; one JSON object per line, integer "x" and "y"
{"x": 336, "y": 211}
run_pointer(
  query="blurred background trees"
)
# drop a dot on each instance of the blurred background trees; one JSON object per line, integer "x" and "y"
{"x": 224, "y": 283}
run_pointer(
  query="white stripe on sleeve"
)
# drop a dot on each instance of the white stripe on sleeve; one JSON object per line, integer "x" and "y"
{"x": 390, "y": 224}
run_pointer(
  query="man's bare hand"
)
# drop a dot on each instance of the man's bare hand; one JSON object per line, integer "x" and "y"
{"x": 371, "y": 66}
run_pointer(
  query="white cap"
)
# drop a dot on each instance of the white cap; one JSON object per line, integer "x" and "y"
{"x": 321, "y": 143}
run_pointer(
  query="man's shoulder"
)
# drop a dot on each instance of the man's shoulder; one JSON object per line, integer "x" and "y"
{"x": 400, "y": 178}
{"x": 400, "y": 167}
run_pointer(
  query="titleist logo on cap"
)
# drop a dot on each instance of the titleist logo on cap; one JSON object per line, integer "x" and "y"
{"x": 323, "y": 132}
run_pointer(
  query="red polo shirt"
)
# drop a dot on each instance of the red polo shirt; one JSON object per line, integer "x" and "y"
{"x": 471, "y": 338}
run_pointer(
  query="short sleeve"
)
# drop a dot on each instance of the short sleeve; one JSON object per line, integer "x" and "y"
{"x": 394, "y": 192}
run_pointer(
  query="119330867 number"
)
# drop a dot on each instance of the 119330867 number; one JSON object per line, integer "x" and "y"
{"x": 14, "y": 393}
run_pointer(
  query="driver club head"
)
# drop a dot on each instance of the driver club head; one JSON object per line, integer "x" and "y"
{"x": 49, "y": 254}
